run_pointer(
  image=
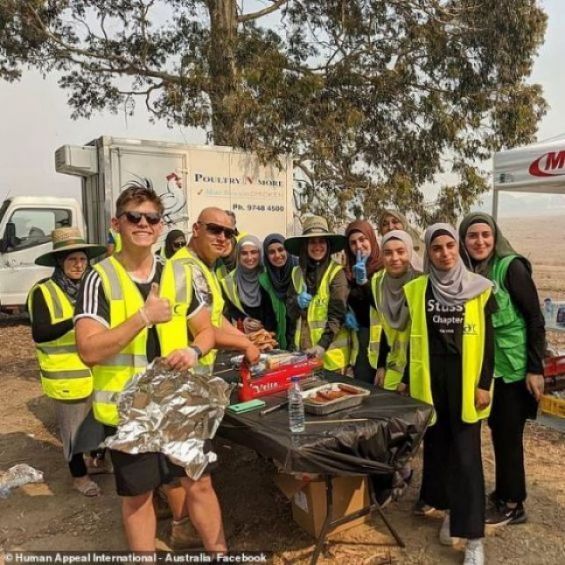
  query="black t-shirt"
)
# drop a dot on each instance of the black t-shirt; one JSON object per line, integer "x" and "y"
{"x": 360, "y": 300}
{"x": 445, "y": 326}
{"x": 92, "y": 303}
{"x": 445, "y": 332}
{"x": 264, "y": 312}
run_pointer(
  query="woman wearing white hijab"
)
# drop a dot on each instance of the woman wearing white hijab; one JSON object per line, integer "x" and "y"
{"x": 387, "y": 287}
{"x": 451, "y": 367}
{"x": 249, "y": 304}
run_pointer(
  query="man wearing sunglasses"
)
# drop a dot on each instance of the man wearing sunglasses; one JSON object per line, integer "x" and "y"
{"x": 210, "y": 235}
{"x": 120, "y": 320}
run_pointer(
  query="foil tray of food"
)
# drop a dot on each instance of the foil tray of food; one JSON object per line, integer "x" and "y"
{"x": 333, "y": 397}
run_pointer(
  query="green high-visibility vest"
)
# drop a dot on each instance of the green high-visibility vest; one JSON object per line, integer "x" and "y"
{"x": 63, "y": 375}
{"x": 473, "y": 349}
{"x": 510, "y": 353}
{"x": 279, "y": 307}
{"x": 336, "y": 356}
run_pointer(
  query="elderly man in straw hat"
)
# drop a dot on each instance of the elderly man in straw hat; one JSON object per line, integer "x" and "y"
{"x": 317, "y": 300}
{"x": 64, "y": 377}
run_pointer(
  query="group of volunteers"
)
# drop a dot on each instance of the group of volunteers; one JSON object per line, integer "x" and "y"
{"x": 460, "y": 328}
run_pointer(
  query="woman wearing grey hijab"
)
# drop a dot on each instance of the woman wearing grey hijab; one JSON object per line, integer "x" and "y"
{"x": 387, "y": 287}
{"x": 248, "y": 303}
{"x": 451, "y": 367}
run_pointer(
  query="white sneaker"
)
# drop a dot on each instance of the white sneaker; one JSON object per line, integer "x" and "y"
{"x": 474, "y": 552}
{"x": 445, "y": 533}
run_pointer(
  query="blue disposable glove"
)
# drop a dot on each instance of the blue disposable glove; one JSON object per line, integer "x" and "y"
{"x": 360, "y": 269}
{"x": 350, "y": 321}
{"x": 304, "y": 299}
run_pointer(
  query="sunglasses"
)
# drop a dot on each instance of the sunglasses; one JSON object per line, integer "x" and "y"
{"x": 152, "y": 218}
{"x": 216, "y": 229}
{"x": 179, "y": 244}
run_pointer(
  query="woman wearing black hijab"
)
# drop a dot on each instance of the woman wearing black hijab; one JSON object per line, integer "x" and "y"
{"x": 64, "y": 377}
{"x": 451, "y": 366}
{"x": 276, "y": 280}
{"x": 174, "y": 241}
{"x": 519, "y": 347}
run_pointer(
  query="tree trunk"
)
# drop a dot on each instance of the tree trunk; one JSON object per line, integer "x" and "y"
{"x": 223, "y": 72}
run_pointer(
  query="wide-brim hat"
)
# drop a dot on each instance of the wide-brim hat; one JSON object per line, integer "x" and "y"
{"x": 67, "y": 240}
{"x": 315, "y": 226}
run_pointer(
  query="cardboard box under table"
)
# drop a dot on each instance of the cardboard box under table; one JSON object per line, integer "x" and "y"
{"x": 378, "y": 437}
{"x": 309, "y": 505}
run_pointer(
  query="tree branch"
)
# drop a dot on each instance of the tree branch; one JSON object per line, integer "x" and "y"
{"x": 260, "y": 13}
{"x": 125, "y": 66}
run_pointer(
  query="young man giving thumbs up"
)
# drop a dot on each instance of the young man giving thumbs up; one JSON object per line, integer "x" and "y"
{"x": 115, "y": 317}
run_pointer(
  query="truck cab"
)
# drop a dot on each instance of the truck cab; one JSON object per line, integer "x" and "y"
{"x": 26, "y": 223}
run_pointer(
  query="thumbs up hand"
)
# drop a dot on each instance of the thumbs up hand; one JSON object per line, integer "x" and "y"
{"x": 156, "y": 309}
{"x": 360, "y": 269}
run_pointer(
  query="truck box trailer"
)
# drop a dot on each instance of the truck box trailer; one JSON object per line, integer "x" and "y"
{"x": 187, "y": 177}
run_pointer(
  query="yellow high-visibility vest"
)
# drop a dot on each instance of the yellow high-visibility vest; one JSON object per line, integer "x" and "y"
{"x": 337, "y": 355}
{"x": 177, "y": 287}
{"x": 396, "y": 339}
{"x": 375, "y": 331}
{"x": 473, "y": 349}
{"x": 229, "y": 285}
{"x": 112, "y": 375}
{"x": 63, "y": 375}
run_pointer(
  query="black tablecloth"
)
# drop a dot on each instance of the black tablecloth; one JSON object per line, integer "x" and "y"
{"x": 380, "y": 445}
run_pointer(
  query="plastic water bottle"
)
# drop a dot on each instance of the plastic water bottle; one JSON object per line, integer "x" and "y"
{"x": 295, "y": 406}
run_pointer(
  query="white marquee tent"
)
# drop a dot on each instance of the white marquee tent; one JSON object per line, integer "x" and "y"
{"x": 539, "y": 167}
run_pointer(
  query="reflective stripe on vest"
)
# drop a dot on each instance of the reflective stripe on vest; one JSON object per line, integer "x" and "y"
{"x": 473, "y": 349}
{"x": 230, "y": 287}
{"x": 396, "y": 339}
{"x": 189, "y": 260}
{"x": 111, "y": 376}
{"x": 337, "y": 355}
{"x": 63, "y": 375}
{"x": 375, "y": 331}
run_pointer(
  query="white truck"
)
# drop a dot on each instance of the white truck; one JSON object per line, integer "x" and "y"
{"x": 187, "y": 177}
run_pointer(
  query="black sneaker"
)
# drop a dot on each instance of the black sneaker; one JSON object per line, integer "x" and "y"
{"x": 504, "y": 515}
{"x": 493, "y": 502}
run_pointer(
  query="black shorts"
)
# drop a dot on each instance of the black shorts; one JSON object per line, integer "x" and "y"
{"x": 139, "y": 473}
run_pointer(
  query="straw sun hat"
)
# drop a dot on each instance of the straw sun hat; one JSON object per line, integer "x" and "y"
{"x": 66, "y": 240}
{"x": 315, "y": 226}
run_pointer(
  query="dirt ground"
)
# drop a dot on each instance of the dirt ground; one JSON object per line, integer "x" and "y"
{"x": 51, "y": 516}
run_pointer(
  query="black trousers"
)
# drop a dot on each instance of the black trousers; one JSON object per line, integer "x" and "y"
{"x": 452, "y": 476}
{"x": 512, "y": 405}
{"x": 362, "y": 369}
{"x": 77, "y": 466}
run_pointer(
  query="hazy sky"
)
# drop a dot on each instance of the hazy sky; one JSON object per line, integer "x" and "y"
{"x": 35, "y": 121}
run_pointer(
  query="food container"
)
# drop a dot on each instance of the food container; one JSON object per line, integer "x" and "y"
{"x": 355, "y": 398}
